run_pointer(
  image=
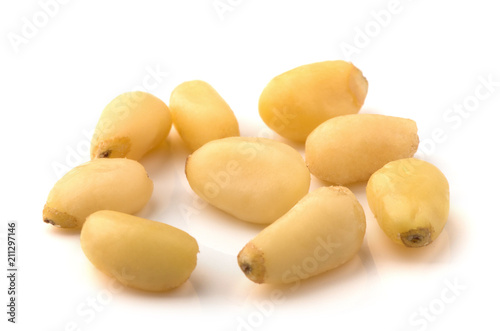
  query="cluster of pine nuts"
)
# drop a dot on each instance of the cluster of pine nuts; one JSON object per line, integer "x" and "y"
{"x": 265, "y": 181}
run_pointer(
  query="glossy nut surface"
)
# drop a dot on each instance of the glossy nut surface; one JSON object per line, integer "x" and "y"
{"x": 200, "y": 114}
{"x": 350, "y": 148}
{"x": 130, "y": 126}
{"x": 115, "y": 184}
{"x": 324, "y": 230}
{"x": 410, "y": 199}
{"x": 294, "y": 103}
{"x": 138, "y": 252}
{"x": 254, "y": 179}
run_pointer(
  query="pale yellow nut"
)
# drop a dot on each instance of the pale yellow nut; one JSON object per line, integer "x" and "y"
{"x": 116, "y": 184}
{"x": 324, "y": 230}
{"x": 254, "y": 179}
{"x": 200, "y": 114}
{"x": 138, "y": 252}
{"x": 350, "y": 148}
{"x": 294, "y": 103}
{"x": 410, "y": 199}
{"x": 130, "y": 125}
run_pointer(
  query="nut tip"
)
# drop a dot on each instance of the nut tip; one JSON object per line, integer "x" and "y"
{"x": 416, "y": 237}
{"x": 251, "y": 262}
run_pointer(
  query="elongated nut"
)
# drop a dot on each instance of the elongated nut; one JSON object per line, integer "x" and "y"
{"x": 324, "y": 230}
{"x": 200, "y": 114}
{"x": 130, "y": 125}
{"x": 410, "y": 199}
{"x": 138, "y": 252}
{"x": 116, "y": 184}
{"x": 350, "y": 148}
{"x": 294, "y": 103}
{"x": 254, "y": 179}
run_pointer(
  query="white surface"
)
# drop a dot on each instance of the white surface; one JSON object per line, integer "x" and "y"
{"x": 428, "y": 57}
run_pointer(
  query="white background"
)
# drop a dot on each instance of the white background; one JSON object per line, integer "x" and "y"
{"x": 424, "y": 61}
